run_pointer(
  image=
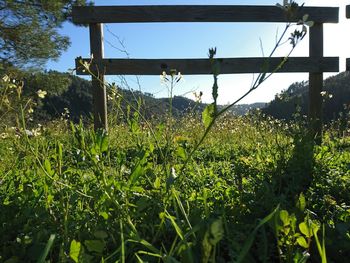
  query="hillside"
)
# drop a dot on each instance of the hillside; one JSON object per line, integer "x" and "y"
{"x": 65, "y": 91}
{"x": 73, "y": 93}
{"x": 336, "y": 99}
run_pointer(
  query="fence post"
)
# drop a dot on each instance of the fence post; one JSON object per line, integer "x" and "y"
{"x": 316, "y": 83}
{"x": 98, "y": 87}
{"x": 348, "y": 59}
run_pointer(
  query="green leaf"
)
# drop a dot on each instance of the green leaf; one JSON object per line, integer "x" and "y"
{"x": 104, "y": 143}
{"x": 181, "y": 152}
{"x": 301, "y": 204}
{"x": 47, "y": 166}
{"x": 305, "y": 230}
{"x": 216, "y": 231}
{"x": 175, "y": 225}
{"x": 95, "y": 245}
{"x": 302, "y": 242}
{"x": 100, "y": 234}
{"x": 284, "y": 216}
{"x": 74, "y": 250}
{"x": 208, "y": 115}
{"x": 137, "y": 172}
{"x": 157, "y": 183}
{"x": 104, "y": 215}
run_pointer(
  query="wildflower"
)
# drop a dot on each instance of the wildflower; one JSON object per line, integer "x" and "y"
{"x": 163, "y": 77}
{"x": 86, "y": 65}
{"x": 178, "y": 77}
{"x": 6, "y": 78}
{"x": 29, "y": 133}
{"x": 173, "y": 173}
{"x": 198, "y": 96}
{"x": 4, "y": 135}
{"x": 30, "y": 110}
{"x": 323, "y": 93}
{"x": 41, "y": 93}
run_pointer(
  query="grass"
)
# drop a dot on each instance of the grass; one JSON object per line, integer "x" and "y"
{"x": 256, "y": 190}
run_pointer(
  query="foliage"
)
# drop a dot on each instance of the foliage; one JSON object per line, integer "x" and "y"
{"x": 28, "y": 30}
{"x": 336, "y": 97}
{"x": 108, "y": 198}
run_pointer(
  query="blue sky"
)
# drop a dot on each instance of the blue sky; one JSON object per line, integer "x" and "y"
{"x": 192, "y": 40}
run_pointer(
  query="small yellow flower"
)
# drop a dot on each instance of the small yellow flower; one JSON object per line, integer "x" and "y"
{"x": 30, "y": 110}
{"x": 41, "y": 93}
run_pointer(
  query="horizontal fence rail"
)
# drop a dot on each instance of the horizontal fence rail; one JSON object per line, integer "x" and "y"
{"x": 198, "y": 13}
{"x": 203, "y": 66}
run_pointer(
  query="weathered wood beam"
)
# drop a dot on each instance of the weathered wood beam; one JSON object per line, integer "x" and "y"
{"x": 98, "y": 87}
{"x": 202, "y": 66}
{"x": 197, "y": 13}
{"x": 316, "y": 83}
{"x": 348, "y": 59}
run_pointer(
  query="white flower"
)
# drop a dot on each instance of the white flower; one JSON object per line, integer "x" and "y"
{"x": 173, "y": 173}
{"x": 4, "y": 135}
{"x": 163, "y": 77}
{"x": 6, "y": 78}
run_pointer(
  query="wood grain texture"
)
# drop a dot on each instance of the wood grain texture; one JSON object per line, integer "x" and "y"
{"x": 202, "y": 66}
{"x": 98, "y": 88}
{"x": 198, "y": 13}
{"x": 316, "y": 83}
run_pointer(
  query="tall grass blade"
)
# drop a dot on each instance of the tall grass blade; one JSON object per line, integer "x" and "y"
{"x": 47, "y": 249}
{"x": 249, "y": 241}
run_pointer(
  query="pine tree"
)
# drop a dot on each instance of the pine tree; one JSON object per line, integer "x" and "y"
{"x": 29, "y": 31}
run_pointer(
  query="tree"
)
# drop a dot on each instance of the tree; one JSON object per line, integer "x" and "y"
{"x": 28, "y": 30}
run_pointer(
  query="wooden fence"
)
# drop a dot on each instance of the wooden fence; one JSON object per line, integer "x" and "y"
{"x": 348, "y": 59}
{"x": 315, "y": 64}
